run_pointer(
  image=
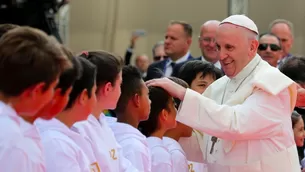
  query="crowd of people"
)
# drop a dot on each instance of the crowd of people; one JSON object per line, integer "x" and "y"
{"x": 237, "y": 108}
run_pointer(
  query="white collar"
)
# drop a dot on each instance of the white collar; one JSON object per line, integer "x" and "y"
{"x": 53, "y": 124}
{"x": 248, "y": 68}
{"x": 180, "y": 60}
{"x": 154, "y": 141}
{"x": 216, "y": 64}
{"x": 172, "y": 144}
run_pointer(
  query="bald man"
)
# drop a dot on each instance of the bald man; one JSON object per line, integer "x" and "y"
{"x": 142, "y": 62}
{"x": 207, "y": 42}
{"x": 245, "y": 115}
{"x": 284, "y": 30}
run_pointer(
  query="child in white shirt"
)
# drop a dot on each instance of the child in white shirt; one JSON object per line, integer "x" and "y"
{"x": 65, "y": 149}
{"x": 172, "y": 136}
{"x": 161, "y": 118}
{"x": 133, "y": 107}
{"x": 30, "y": 66}
{"x": 108, "y": 80}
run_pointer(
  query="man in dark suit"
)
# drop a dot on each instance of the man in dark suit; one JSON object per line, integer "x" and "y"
{"x": 178, "y": 39}
{"x": 207, "y": 44}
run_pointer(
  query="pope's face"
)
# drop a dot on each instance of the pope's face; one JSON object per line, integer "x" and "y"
{"x": 235, "y": 48}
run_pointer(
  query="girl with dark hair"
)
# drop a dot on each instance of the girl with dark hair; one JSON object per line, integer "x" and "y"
{"x": 161, "y": 118}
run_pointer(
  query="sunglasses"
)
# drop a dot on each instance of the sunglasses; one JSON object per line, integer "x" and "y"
{"x": 273, "y": 47}
{"x": 156, "y": 58}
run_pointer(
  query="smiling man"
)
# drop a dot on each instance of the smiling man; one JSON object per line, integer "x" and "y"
{"x": 270, "y": 48}
{"x": 245, "y": 115}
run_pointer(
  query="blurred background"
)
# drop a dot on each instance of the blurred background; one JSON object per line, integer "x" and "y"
{"x": 108, "y": 24}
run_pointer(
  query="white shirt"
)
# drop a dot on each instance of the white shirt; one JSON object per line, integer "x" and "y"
{"x": 107, "y": 151}
{"x": 197, "y": 167}
{"x": 178, "y": 157}
{"x": 62, "y": 149}
{"x": 217, "y": 64}
{"x": 168, "y": 66}
{"x": 160, "y": 157}
{"x": 134, "y": 145}
{"x": 20, "y": 148}
{"x": 253, "y": 124}
{"x": 192, "y": 147}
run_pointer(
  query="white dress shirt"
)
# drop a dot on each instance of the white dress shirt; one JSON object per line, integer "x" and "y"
{"x": 160, "y": 157}
{"x": 179, "y": 160}
{"x": 168, "y": 66}
{"x": 20, "y": 147}
{"x": 134, "y": 145}
{"x": 62, "y": 148}
{"x": 107, "y": 151}
{"x": 217, "y": 64}
{"x": 251, "y": 114}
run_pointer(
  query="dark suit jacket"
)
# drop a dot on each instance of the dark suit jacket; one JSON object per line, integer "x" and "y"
{"x": 157, "y": 69}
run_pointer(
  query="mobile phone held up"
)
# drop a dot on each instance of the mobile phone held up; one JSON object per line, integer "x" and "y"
{"x": 139, "y": 32}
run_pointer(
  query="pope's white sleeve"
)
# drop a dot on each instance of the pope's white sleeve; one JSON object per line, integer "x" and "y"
{"x": 260, "y": 116}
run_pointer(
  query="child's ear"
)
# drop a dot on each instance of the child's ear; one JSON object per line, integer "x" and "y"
{"x": 136, "y": 100}
{"x": 164, "y": 115}
{"x": 106, "y": 89}
{"x": 83, "y": 97}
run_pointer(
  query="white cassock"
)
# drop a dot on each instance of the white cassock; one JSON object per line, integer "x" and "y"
{"x": 191, "y": 146}
{"x": 64, "y": 148}
{"x": 134, "y": 145}
{"x": 179, "y": 161}
{"x": 107, "y": 151}
{"x": 160, "y": 157}
{"x": 20, "y": 146}
{"x": 251, "y": 114}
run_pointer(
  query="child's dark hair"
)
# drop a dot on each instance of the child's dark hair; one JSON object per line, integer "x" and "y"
{"x": 294, "y": 68}
{"x": 189, "y": 70}
{"x": 85, "y": 81}
{"x": 29, "y": 56}
{"x": 183, "y": 84}
{"x": 6, "y": 27}
{"x": 159, "y": 100}
{"x": 131, "y": 85}
{"x": 108, "y": 66}
{"x": 69, "y": 75}
{"x": 295, "y": 117}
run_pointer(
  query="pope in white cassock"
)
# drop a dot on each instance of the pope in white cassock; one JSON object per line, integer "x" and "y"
{"x": 246, "y": 115}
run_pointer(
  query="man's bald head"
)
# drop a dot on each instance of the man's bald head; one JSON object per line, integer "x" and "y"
{"x": 207, "y": 40}
{"x": 284, "y": 30}
{"x": 142, "y": 62}
{"x": 209, "y": 25}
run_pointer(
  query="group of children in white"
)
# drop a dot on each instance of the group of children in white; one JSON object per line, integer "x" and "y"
{"x": 51, "y": 112}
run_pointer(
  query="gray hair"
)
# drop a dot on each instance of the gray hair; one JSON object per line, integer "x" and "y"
{"x": 288, "y": 23}
{"x": 158, "y": 44}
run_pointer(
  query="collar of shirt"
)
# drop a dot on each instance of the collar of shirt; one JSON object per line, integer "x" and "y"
{"x": 217, "y": 64}
{"x": 29, "y": 130}
{"x": 180, "y": 60}
{"x": 248, "y": 68}
{"x": 172, "y": 144}
{"x": 53, "y": 124}
{"x": 7, "y": 110}
{"x": 154, "y": 141}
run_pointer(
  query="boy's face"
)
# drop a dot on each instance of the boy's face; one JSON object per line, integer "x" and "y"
{"x": 144, "y": 105}
{"x": 35, "y": 98}
{"x": 56, "y": 105}
{"x": 200, "y": 83}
